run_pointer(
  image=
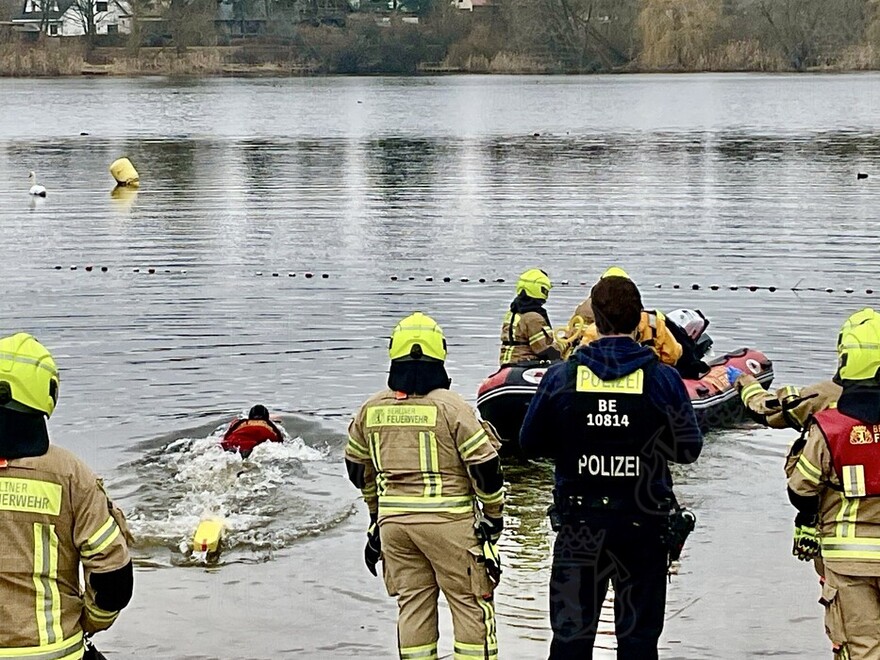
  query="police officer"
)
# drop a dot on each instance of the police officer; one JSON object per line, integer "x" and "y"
{"x": 610, "y": 418}
{"x": 836, "y": 489}
{"x": 526, "y": 334}
{"x": 432, "y": 481}
{"x": 55, "y": 519}
{"x": 651, "y": 332}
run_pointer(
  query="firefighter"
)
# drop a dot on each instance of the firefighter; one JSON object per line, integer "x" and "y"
{"x": 245, "y": 434}
{"x": 835, "y": 488}
{"x": 610, "y": 418}
{"x": 55, "y": 519}
{"x": 652, "y": 330}
{"x": 791, "y": 407}
{"x": 526, "y": 334}
{"x": 430, "y": 475}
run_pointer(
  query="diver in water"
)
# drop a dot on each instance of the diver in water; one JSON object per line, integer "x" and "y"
{"x": 245, "y": 434}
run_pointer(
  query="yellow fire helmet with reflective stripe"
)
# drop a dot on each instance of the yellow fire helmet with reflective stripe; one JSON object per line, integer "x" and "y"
{"x": 858, "y": 346}
{"x": 28, "y": 376}
{"x": 535, "y": 283}
{"x": 615, "y": 271}
{"x": 417, "y": 336}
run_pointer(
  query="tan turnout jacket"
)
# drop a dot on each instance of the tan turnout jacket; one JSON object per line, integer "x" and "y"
{"x": 530, "y": 336}
{"x": 789, "y": 406}
{"x": 54, "y": 516}
{"x": 416, "y": 451}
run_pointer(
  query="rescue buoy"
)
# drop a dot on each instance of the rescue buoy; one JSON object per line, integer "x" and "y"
{"x": 208, "y": 535}
{"x": 124, "y": 173}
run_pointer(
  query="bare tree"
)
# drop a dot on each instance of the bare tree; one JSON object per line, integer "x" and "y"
{"x": 809, "y": 30}
{"x": 581, "y": 34}
{"x": 89, "y": 13}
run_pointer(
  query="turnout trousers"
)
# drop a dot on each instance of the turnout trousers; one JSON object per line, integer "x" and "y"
{"x": 858, "y": 606}
{"x": 419, "y": 560}
{"x": 597, "y": 549}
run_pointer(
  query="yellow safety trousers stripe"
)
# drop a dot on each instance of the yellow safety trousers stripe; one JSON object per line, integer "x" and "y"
{"x": 750, "y": 391}
{"x": 473, "y": 443}
{"x": 810, "y": 471}
{"x": 48, "y": 600}
{"x": 357, "y": 449}
{"x": 423, "y": 652}
{"x": 99, "y": 541}
{"x": 406, "y": 504}
{"x": 66, "y": 649}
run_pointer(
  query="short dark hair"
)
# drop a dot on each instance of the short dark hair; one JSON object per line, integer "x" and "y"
{"x": 617, "y": 305}
{"x": 259, "y": 412}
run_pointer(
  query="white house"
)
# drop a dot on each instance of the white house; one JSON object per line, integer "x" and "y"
{"x": 68, "y": 18}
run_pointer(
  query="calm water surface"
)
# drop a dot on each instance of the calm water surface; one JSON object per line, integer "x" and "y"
{"x": 709, "y": 180}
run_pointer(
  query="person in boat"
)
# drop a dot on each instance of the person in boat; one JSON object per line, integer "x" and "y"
{"x": 836, "y": 490}
{"x": 688, "y": 327}
{"x": 431, "y": 478}
{"x": 66, "y": 571}
{"x": 652, "y": 330}
{"x": 610, "y": 418}
{"x": 526, "y": 335}
{"x": 244, "y": 434}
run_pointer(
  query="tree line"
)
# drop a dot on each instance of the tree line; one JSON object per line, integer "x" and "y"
{"x": 521, "y": 36}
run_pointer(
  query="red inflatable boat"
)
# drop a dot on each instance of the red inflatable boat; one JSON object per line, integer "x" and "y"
{"x": 505, "y": 395}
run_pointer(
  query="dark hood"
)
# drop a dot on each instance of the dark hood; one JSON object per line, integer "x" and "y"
{"x": 860, "y": 400}
{"x": 523, "y": 303}
{"x": 417, "y": 377}
{"x": 613, "y": 357}
{"x": 22, "y": 434}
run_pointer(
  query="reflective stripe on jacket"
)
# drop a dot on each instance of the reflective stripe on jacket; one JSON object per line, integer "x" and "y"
{"x": 54, "y": 517}
{"x": 417, "y": 450}
{"x": 789, "y": 406}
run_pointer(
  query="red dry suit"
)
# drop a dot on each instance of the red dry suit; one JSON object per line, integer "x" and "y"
{"x": 245, "y": 434}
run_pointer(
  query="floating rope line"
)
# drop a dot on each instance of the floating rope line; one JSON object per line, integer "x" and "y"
{"x": 677, "y": 286}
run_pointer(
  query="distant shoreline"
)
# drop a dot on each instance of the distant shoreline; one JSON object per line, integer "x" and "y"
{"x": 63, "y": 60}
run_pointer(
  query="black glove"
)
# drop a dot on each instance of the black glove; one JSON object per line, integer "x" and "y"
{"x": 373, "y": 549}
{"x": 490, "y": 529}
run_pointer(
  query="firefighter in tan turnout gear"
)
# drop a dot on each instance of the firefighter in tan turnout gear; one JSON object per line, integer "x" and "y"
{"x": 791, "y": 407}
{"x": 836, "y": 489}
{"x": 430, "y": 474}
{"x": 54, "y": 518}
{"x": 526, "y": 333}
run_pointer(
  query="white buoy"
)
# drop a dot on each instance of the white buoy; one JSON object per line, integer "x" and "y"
{"x": 36, "y": 189}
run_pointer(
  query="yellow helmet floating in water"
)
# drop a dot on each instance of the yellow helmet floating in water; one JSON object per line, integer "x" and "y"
{"x": 28, "y": 376}
{"x": 858, "y": 346}
{"x": 615, "y": 271}
{"x": 417, "y": 336}
{"x": 535, "y": 283}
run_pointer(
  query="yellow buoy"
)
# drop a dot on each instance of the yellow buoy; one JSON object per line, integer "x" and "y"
{"x": 208, "y": 535}
{"x": 124, "y": 173}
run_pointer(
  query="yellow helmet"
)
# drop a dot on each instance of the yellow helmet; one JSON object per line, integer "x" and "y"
{"x": 858, "y": 346}
{"x": 615, "y": 271}
{"x": 28, "y": 375}
{"x": 415, "y": 336}
{"x": 535, "y": 283}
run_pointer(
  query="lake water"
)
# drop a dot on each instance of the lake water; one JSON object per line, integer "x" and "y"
{"x": 248, "y": 186}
